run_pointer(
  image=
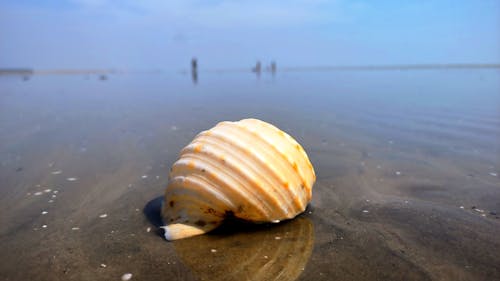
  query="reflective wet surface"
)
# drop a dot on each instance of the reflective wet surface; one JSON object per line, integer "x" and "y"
{"x": 407, "y": 165}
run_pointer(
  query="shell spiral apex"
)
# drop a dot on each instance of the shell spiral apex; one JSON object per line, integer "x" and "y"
{"x": 248, "y": 169}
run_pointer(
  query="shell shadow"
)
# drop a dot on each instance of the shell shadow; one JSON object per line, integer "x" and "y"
{"x": 152, "y": 211}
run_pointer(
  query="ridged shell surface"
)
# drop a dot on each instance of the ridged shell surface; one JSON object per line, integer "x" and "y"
{"x": 247, "y": 169}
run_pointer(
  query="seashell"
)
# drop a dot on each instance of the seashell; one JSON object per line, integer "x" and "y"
{"x": 248, "y": 170}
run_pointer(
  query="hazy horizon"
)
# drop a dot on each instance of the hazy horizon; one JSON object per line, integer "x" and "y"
{"x": 222, "y": 34}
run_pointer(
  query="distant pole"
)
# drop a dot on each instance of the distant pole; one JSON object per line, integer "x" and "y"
{"x": 194, "y": 70}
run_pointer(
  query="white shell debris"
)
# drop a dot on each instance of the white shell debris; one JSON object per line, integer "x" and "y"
{"x": 71, "y": 179}
{"x": 213, "y": 250}
{"x": 51, "y": 201}
{"x": 47, "y": 190}
{"x": 103, "y": 265}
{"x": 461, "y": 207}
{"x": 144, "y": 176}
{"x": 44, "y": 226}
{"x": 148, "y": 229}
{"x": 38, "y": 193}
{"x": 54, "y": 196}
{"x": 493, "y": 174}
{"x": 126, "y": 276}
{"x": 398, "y": 173}
{"x": 103, "y": 216}
{"x": 75, "y": 228}
{"x": 55, "y": 191}
{"x": 56, "y": 172}
{"x": 277, "y": 238}
{"x": 44, "y": 212}
{"x": 365, "y": 211}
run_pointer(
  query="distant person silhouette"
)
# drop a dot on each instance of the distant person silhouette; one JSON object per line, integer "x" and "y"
{"x": 257, "y": 69}
{"x": 194, "y": 70}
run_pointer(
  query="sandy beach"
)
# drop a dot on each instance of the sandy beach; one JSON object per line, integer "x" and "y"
{"x": 407, "y": 165}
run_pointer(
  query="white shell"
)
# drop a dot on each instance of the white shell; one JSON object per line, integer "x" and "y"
{"x": 248, "y": 169}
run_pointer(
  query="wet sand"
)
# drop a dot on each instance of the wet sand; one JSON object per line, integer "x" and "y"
{"x": 397, "y": 154}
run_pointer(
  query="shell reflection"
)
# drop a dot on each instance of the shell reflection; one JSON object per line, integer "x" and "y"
{"x": 277, "y": 252}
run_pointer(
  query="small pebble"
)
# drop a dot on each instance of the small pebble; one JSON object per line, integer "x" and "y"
{"x": 148, "y": 229}
{"x": 56, "y": 172}
{"x": 126, "y": 276}
{"x": 54, "y": 196}
{"x": 103, "y": 265}
{"x": 103, "y": 216}
{"x": 277, "y": 238}
{"x": 461, "y": 207}
{"x": 44, "y": 226}
{"x": 55, "y": 191}
{"x": 266, "y": 257}
{"x": 398, "y": 173}
{"x": 38, "y": 193}
{"x": 47, "y": 190}
{"x": 44, "y": 212}
{"x": 71, "y": 179}
{"x": 213, "y": 250}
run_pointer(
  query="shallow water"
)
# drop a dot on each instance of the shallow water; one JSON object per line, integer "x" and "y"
{"x": 396, "y": 153}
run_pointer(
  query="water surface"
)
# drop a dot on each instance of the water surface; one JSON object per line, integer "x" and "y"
{"x": 407, "y": 166}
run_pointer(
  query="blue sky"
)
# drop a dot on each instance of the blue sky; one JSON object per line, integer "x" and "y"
{"x": 155, "y": 34}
